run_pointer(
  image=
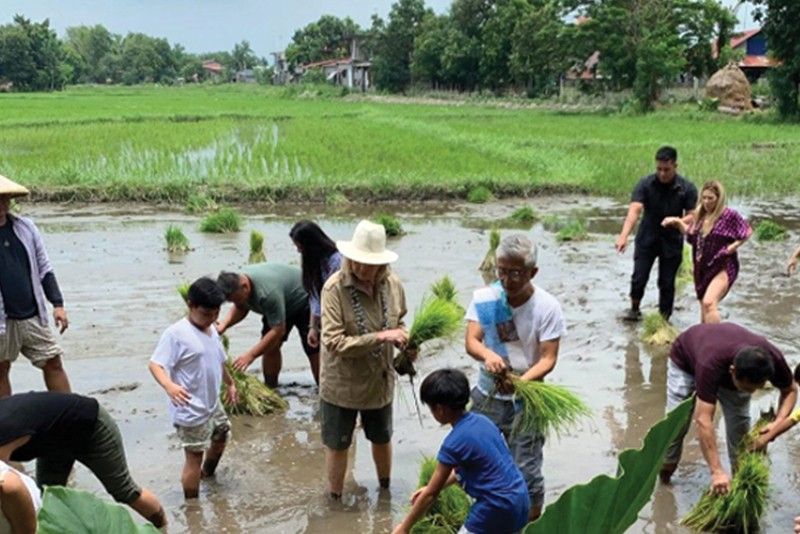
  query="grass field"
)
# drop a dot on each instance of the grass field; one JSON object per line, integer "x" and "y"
{"x": 256, "y": 143}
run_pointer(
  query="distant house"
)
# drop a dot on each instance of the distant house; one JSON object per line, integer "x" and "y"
{"x": 281, "y": 72}
{"x": 213, "y": 69}
{"x": 753, "y": 46}
{"x": 351, "y": 72}
{"x": 245, "y": 76}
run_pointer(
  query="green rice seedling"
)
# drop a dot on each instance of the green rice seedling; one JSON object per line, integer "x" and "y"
{"x": 224, "y": 220}
{"x": 448, "y": 513}
{"x": 436, "y": 318}
{"x": 176, "y": 239}
{"x": 196, "y": 204}
{"x": 769, "y": 231}
{"x": 488, "y": 263}
{"x": 183, "y": 291}
{"x": 572, "y": 230}
{"x": 546, "y": 408}
{"x": 656, "y": 330}
{"x": 444, "y": 289}
{"x": 741, "y": 509}
{"x": 685, "y": 274}
{"x": 479, "y": 195}
{"x": 256, "y": 248}
{"x": 255, "y": 398}
{"x": 523, "y": 215}
{"x": 390, "y": 223}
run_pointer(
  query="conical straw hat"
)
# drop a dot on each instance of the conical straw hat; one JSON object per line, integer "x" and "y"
{"x": 11, "y": 188}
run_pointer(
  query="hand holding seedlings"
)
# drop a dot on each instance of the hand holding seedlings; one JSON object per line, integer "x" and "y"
{"x": 720, "y": 483}
{"x": 396, "y": 336}
{"x": 494, "y": 363}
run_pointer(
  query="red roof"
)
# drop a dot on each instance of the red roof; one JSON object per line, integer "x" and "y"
{"x": 741, "y": 38}
{"x": 758, "y": 61}
{"x": 213, "y": 66}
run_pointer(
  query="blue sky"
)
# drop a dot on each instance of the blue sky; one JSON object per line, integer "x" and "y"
{"x": 210, "y": 25}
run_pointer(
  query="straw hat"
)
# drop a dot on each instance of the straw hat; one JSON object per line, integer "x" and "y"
{"x": 368, "y": 245}
{"x": 10, "y": 188}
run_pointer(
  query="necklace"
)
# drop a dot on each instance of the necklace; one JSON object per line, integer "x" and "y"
{"x": 361, "y": 317}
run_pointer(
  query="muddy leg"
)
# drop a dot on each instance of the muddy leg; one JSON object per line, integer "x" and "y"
{"x": 148, "y": 507}
{"x": 382, "y": 456}
{"x": 190, "y": 478}
{"x": 55, "y": 377}
{"x": 336, "y": 466}
{"x": 271, "y": 363}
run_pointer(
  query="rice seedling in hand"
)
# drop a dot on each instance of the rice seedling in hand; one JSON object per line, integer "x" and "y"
{"x": 769, "y": 231}
{"x": 222, "y": 221}
{"x": 176, "y": 239}
{"x": 448, "y": 512}
{"x": 390, "y": 223}
{"x": 488, "y": 263}
{"x": 436, "y": 318}
{"x": 256, "y": 248}
{"x": 546, "y": 409}
{"x": 479, "y": 195}
{"x": 255, "y": 398}
{"x": 656, "y": 330}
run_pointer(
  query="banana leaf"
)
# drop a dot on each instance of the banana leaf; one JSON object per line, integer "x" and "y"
{"x": 68, "y": 510}
{"x": 609, "y": 505}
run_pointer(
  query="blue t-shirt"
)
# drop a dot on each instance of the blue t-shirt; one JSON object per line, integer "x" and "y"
{"x": 484, "y": 467}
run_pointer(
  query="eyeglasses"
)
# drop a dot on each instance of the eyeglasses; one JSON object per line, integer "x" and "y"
{"x": 511, "y": 274}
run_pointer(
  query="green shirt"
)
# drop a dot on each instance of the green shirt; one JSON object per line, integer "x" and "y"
{"x": 278, "y": 291}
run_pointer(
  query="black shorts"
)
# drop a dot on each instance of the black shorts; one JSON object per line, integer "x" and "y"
{"x": 299, "y": 321}
{"x": 338, "y": 424}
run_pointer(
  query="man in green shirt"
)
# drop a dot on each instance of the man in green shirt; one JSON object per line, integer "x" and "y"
{"x": 275, "y": 292}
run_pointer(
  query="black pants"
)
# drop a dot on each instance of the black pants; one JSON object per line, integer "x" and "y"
{"x": 668, "y": 263}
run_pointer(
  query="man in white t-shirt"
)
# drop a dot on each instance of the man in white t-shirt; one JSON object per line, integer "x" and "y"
{"x": 514, "y": 326}
{"x": 189, "y": 363}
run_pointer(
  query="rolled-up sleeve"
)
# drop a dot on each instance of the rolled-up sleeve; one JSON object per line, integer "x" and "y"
{"x": 334, "y": 334}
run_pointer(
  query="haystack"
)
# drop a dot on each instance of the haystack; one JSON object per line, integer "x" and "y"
{"x": 730, "y": 86}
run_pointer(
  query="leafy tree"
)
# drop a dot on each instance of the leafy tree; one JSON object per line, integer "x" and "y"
{"x": 497, "y": 42}
{"x": 16, "y": 60}
{"x": 243, "y": 56}
{"x": 700, "y": 24}
{"x": 394, "y": 44}
{"x": 85, "y": 47}
{"x": 31, "y": 55}
{"x": 459, "y": 60}
{"x": 146, "y": 59}
{"x": 781, "y": 19}
{"x": 429, "y": 46}
{"x": 327, "y": 38}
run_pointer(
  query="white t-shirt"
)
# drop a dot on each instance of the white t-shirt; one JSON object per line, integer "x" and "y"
{"x": 539, "y": 319}
{"x": 192, "y": 359}
{"x": 36, "y": 495}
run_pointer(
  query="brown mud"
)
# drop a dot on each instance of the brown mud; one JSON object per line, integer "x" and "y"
{"x": 119, "y": 284}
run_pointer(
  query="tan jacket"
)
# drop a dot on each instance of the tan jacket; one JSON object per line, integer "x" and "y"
{"x": 351, "y": 375}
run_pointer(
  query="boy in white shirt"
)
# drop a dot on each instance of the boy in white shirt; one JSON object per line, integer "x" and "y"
{"x": 189, "y": 363}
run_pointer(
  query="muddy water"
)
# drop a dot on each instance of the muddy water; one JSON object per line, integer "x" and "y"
{"x": 120, "y": 289}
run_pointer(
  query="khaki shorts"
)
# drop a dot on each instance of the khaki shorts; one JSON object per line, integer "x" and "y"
{"x": 28, "y": 336}
{"x": 198, "y": 438}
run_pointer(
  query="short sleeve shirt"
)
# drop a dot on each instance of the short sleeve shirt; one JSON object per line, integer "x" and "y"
{"x": 663, "y": 200}
{"x": 192, "y": 359}
{"x": 707, "y": 351}
{"x": 278, "y": 291}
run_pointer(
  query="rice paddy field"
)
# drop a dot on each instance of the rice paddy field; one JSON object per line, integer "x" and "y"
{"x": 257, "y": 143}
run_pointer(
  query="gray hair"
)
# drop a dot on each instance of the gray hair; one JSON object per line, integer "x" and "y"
{"x": 517, "y": 247}
{"x": 229, "y": 283}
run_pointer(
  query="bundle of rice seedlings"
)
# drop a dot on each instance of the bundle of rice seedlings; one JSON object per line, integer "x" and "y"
{"x": 183, "y": 291}
{"x": 256, "y": 248}
{"x": 769, "y": 231}
{"x": 448, "y": 513}
{"x": 200, "y": 204}
{"x": 176, "y": 239}
{"x": 546, "y": 409}
{"x": 255, "y": 398}
{"x": 572, "y": 230}
{"x": 523, "y": 215}
{"x": 436, "y": 318}
{"x": 741, "y": 509}
{"x": 685, "y": 274}
{"x": 390, "y": 223}
{"x": 656, "y": 330}
{"x": 488, "y": 263}
{"x": 222, "y": 221}
{"x": 444, "y": 289}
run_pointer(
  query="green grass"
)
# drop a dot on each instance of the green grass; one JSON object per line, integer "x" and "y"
{"x": 567, "y": 228}
{"x": 237, "y": 142}
{"x": 176, "y": 239}
{"x": 390, "y": 223}
{"x": 223, "y": 221}
{"x": 197, "y": 204}
{"x": 479, "y": 195}
{"x": 769, "y": 231}
{"x": 523, "y": 215}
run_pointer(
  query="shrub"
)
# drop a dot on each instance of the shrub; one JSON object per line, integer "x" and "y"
{"x": 769, "y": 231}
{"x": 222, "y": 221}
{"x": 390, "y": 223}
{"x": 479, "y": 195}
{"x": 176, "y": 239}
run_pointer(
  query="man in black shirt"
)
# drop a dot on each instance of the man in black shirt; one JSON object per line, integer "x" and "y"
{"x": 662, "y": 194}
{"x": 56, "y": 429}
{"x": 26, "y": 280}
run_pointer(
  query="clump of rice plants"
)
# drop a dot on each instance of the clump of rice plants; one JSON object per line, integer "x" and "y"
{"x": 488, "y": 263}
{"x": 656, "y": 330}
{"x": 390, "y": 223}
{"x": 769, "y": 231}
{"x": 256, "y": 248}
{"x": 336, "y": 198}
{"x": 200, "y": 204}
{"x": 479, "y": 195}
{"x": 741, "y": 509}
{"x": 183, "y": 291}
{"x": 546, "y": 408}
{"x": 436, "y": 318}
{"x": 685, "y": 274}
{"x": 523, "y": 215}
{"x": 255, "y": 398}
{"x": 222, "y": 221}
{"x": 448, "y": 513}
{"x": 176, "y": 239}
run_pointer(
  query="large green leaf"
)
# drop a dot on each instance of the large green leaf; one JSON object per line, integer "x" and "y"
{"x": 609, "y": 505}
{"x": 79, "y": 512}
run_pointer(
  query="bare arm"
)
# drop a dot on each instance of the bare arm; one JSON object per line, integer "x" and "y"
{"x": 269, "y": 342}
{"x": 548, "y": 354}
{"x": 480, "y": 352}
{"x": 235, "y": 315}
{"x": 704, "y": 419}
{"x": 443, "y": 476}
{"x": 634, "y": 212}
{"x": 16, "y": 504}
{"x": 177, "y": 394}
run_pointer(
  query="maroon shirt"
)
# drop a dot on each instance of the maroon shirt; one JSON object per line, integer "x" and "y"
{"x": 706, "y": 351}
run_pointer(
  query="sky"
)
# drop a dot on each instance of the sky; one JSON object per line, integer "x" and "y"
{"x": 212, "y": 25}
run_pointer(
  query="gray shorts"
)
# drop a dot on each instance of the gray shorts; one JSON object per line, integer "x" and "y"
{"x": 198, "y": 438}
{"x": 338, "y": 424}
{"x": 28, "y": 336}
{"x": 526, "y": 449}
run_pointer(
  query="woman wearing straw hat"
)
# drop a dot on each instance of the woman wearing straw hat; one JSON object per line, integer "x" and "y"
{"x": 363, "y": 306}
{"x": 26, "y": 280}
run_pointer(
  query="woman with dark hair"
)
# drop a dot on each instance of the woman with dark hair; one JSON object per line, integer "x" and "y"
{"x": 320, "y": 259}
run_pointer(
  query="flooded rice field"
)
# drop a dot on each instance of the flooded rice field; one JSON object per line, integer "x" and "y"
{"x": 119, "y": 284}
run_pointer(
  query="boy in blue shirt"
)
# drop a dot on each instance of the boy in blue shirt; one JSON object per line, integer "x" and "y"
{"x": 475, "y": 455}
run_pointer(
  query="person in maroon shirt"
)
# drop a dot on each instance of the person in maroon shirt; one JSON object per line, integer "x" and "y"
{"x": 722, "y": 362}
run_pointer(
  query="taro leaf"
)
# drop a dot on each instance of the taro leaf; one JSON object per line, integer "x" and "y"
{"x": 609, "y": 505}
{"x": 75, "y": 511}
